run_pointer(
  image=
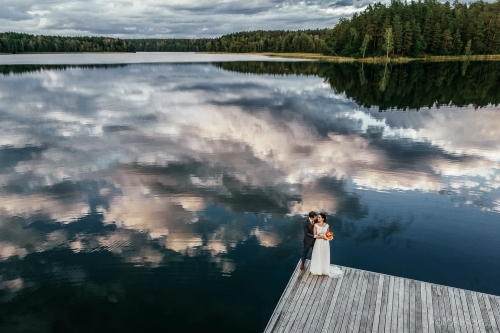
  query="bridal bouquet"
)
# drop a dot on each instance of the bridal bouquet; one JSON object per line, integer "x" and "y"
{"x": 329, "y": 235}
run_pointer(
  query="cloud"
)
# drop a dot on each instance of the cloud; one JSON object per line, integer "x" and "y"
{"x": 182, "y": 19}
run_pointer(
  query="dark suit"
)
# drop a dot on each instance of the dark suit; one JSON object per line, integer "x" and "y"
{"x": 308, "y": 238}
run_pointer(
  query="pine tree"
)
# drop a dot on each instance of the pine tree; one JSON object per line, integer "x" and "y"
{"x": 398, "y": 33}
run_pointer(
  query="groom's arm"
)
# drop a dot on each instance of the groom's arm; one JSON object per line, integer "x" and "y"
{"x": 306, "y": 231}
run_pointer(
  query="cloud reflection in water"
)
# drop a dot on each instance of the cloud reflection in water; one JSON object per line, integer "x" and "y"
{"x": 157, "y": 163}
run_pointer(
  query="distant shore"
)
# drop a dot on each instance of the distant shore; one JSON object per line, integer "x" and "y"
{"x": 321, "y": 57}
{"x": 316, "y": 56}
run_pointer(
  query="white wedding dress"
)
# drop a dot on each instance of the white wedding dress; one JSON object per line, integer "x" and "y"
{"x": 320, "y": 260}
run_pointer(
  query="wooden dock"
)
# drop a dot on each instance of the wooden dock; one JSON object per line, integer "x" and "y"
{"x": 362, "y": 301}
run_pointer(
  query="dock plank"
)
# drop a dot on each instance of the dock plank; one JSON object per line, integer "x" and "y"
{"x": 425, "y": 321}
{"x": 404, "y": 304}
{"x": 490, "y": 313}
{"x": 378, "y": 305}
{"x": 347, "y": 315}
{"x": 367, "y": 303}
{"x": 334, "y": 309}
{"x": 383, "y": 309}
{"x": 390, "y": 301}
{"x": 395, "y": 305}
{"x": 495, "y": 305}
{"x": 362, "y": 301}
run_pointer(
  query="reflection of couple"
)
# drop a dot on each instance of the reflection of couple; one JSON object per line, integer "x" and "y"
{"x": 315, "y": 237}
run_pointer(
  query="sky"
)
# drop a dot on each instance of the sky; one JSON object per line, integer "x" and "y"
{"x": 169, "y": 19}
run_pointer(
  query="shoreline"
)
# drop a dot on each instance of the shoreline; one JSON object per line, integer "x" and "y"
{"x": 314, "y": 57}
{"x": 383, "y": 60}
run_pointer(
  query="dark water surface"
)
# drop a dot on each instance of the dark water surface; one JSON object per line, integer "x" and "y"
{"x": 169, "y": 197}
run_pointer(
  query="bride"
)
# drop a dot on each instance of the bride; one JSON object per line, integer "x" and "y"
{"x": 320, "y": 260}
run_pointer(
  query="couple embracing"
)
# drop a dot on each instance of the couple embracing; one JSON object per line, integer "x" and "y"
{"x": 317, "y": 236}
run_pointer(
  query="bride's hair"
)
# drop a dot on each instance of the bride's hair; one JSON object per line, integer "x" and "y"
{"x": 323, "y": 216}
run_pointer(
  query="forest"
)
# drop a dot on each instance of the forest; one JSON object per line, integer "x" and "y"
{"x": 418, "y": 28}
{"x": 11, "y": 42}
{"x": 401, "y": 29}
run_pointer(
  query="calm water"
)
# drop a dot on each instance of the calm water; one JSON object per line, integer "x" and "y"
{"x": 141, "y": 197}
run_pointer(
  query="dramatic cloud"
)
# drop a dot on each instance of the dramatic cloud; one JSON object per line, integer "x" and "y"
{"x": 179, "y": 19}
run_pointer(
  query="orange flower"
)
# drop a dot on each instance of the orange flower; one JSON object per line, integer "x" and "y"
{"x": 329, "y": 235}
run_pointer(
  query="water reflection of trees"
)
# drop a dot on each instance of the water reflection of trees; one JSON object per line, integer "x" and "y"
{"x": 20, "y": 69}
{"x": 396, "y": 86}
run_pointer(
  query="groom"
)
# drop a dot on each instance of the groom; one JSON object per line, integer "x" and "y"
{"x": 309, "y": 237}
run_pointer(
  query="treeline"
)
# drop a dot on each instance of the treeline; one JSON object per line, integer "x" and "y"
{"x": 396, "y": 86}
{"x": 11, "y": 42}
{"x": 418, "y": 28}
{"x": 170, "y": 45}
{"x": 276, "y": 41}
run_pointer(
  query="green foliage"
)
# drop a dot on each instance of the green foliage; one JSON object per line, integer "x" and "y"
{"x": 366, "y": 40}
{"x": 419, "y": 28}
{"x": 302, "y": 41}
{"x": 388, "y": 45}
{"x": 11, "y": 42}
{"x": 468, "y": 48}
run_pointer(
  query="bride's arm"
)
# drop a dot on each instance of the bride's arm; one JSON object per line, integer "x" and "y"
{"x": 316, "y": 233}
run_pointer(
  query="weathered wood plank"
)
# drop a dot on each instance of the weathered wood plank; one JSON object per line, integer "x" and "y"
{"x": 472, "y": 312}
{"x": 306, "y": 309}
{"x": 339, "y": 315}
{"x": 403, "y": 300}
{"x": 484, "y": 313}
{"x": 425, "y": 316}
{"x": 447, "y": 309}
{"x": 291, "y": 301}
{"x": 395, "y": 305}
{"x": 346, "y": 315}
{"x": 454, "y": 312}
{"x": 479, "y": 317}
{"x": 383, "y": 308}
{"x": 296, "y": 301}
{"x": 489, "y": 311}
{"x": 324, "y": 302}
{"x": 378, "y": 304}
{"x": 366, "y": 306}
{"x": 430, "y": 309}
{"x": 388, "y": 314}
{"x": 460, "y": 311}
{"x": 412, "y": 306}
{"x": 300, "y": 302}
{"x": 361, "y": 303}
{"x": 283, "y": 299}
{"x": 333, "y": 303}
{"x": 437, "y": 309}
{"x": 406, "y": 307}
{"x": 418, "y": 307}
{"x": 368, "y": 326}
{"x": 335, "y": 307}
{"x": 495, "y": 305}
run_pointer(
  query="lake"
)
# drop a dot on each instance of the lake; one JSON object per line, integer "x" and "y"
{"x": 138, "y": 196}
